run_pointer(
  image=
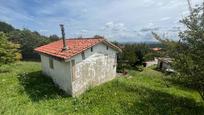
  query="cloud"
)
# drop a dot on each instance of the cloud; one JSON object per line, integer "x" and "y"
{"x": 115, "y": 26}
{"x": 148, "y": 3}
{"x": 149, "y": 29}
{"x": 175, "y": 29}
{"x": 165, "y": 18}
{"x": 125, "y": 20}
{"x": 150, "y": 25}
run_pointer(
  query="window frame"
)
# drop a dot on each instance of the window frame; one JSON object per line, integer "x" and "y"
{"x": 83, "y": 55}
{"x": 51, "y": 63}
{"x": 107, "y": 47}
{"x": 73, "y": 63}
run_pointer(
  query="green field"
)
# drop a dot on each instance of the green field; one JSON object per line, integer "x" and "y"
{"x": 24, "y": 90}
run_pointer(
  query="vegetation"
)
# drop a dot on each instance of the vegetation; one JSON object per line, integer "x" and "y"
{"x": 24, "y": 90}
{"x": 8, "y": 51}
{"x": 188, "y": 52}
{"x": 135, "y": 54}
{"x": 6, "y": 28}
{"x": 27, "y": 39}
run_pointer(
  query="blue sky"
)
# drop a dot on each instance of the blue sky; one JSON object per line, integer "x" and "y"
{"x": 120, "y": 20}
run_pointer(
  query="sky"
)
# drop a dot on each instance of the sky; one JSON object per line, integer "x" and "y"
{"x": 116, "y": 20}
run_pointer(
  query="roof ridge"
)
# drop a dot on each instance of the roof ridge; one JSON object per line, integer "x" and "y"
{"x": 83, "y": 38}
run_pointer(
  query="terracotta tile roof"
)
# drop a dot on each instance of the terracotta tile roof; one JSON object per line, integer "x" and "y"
{"x": 156, "y": 49}
{"x": 75, "y": 46}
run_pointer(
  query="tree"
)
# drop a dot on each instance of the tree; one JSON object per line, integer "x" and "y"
{"x": 8, "y": 51}
{"x": 28, "y": 41}
{"x": 54, "y": 37}
{"x": 4, "y": 27}
{"x": 135, "y": 53}
{"x": 188, "y": 52}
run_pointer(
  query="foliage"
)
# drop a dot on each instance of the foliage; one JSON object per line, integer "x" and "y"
{"x": 24, "y": 90}
{"x": 54, "y": 37}
{"x": 188, "y": 53}
{"x": 135, "y": 54}
{"x": 5, "y": 68}
{"x": 6, "y": 28}
{"x": 28, "y": 40}
{"x": 8, "y": 51}
{"x": 169, "y": 46}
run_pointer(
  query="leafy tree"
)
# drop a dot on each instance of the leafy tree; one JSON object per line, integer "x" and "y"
{"x": 135, "y": 53}
{"x": 8, "y": 51}
{"x": 188, "y": 52}
{"x": 28, "y": 41}
{"x": 54, "y": 37}
{"x": 4, "y": 27}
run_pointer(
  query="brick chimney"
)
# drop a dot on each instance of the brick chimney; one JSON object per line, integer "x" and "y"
{"x": 63, "y": 37}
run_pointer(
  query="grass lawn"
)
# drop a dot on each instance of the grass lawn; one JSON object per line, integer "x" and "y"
{"x": 24, "y": 90}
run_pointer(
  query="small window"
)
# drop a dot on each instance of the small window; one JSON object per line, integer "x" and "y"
{"x": 91, "y": 49}
{"x": 83, "y": 55}
{"x": 73, "y": 70}
{"x": 115, "y": 61}
{"x": 107, "y": 47}
{"x": 51, "y": 63}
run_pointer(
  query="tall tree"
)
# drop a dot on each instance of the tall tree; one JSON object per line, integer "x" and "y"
{"x": 188, "y": 52}
{"x": 8, "y": 51}
{"x": 28, "y": 41}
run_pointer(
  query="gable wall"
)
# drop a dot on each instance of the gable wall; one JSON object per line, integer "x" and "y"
{"x": 98, "y": 67}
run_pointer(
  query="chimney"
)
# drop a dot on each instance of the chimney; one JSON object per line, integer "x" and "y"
{"x": 63, "y": 37}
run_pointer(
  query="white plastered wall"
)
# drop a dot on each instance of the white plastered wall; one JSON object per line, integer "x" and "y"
{"x": 60, "y": 74}
{"x": 98, "y": 67}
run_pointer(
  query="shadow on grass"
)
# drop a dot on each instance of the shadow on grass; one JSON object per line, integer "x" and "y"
{"x": 133, "y": 99}
{"x": 150, "y": 102}
{"x": 39, "y": 87}
{"x": 158, "y": 102}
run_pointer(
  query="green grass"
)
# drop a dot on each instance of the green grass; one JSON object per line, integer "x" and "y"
{"x": 24, "y": 90}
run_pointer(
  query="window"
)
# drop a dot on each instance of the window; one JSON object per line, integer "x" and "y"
{"x": 51, "y": 63}
{"x": 115, "y": 61}
{"x": 91, "y": 49}
{"x": 83, "y": 55}
{"x": 73, "y": 70}
{"x": 106, "y": 47}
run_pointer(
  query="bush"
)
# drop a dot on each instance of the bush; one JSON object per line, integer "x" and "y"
{"x": 9, "y": 52}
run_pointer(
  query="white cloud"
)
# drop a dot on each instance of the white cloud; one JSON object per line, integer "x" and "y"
{"x": 115, "y": 18}
{"x": 115, "y": 26}
{"x": 165, "y": 18}
{"x": 109, "y": 25}
{"x": 150, "y": 25}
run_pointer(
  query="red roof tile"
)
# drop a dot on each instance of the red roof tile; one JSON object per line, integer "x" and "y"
{"x": 75, "y": 46}
{"x": 156, "y": 49}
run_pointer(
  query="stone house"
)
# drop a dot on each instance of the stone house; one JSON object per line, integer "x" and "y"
{"x": 76, "y": 65}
